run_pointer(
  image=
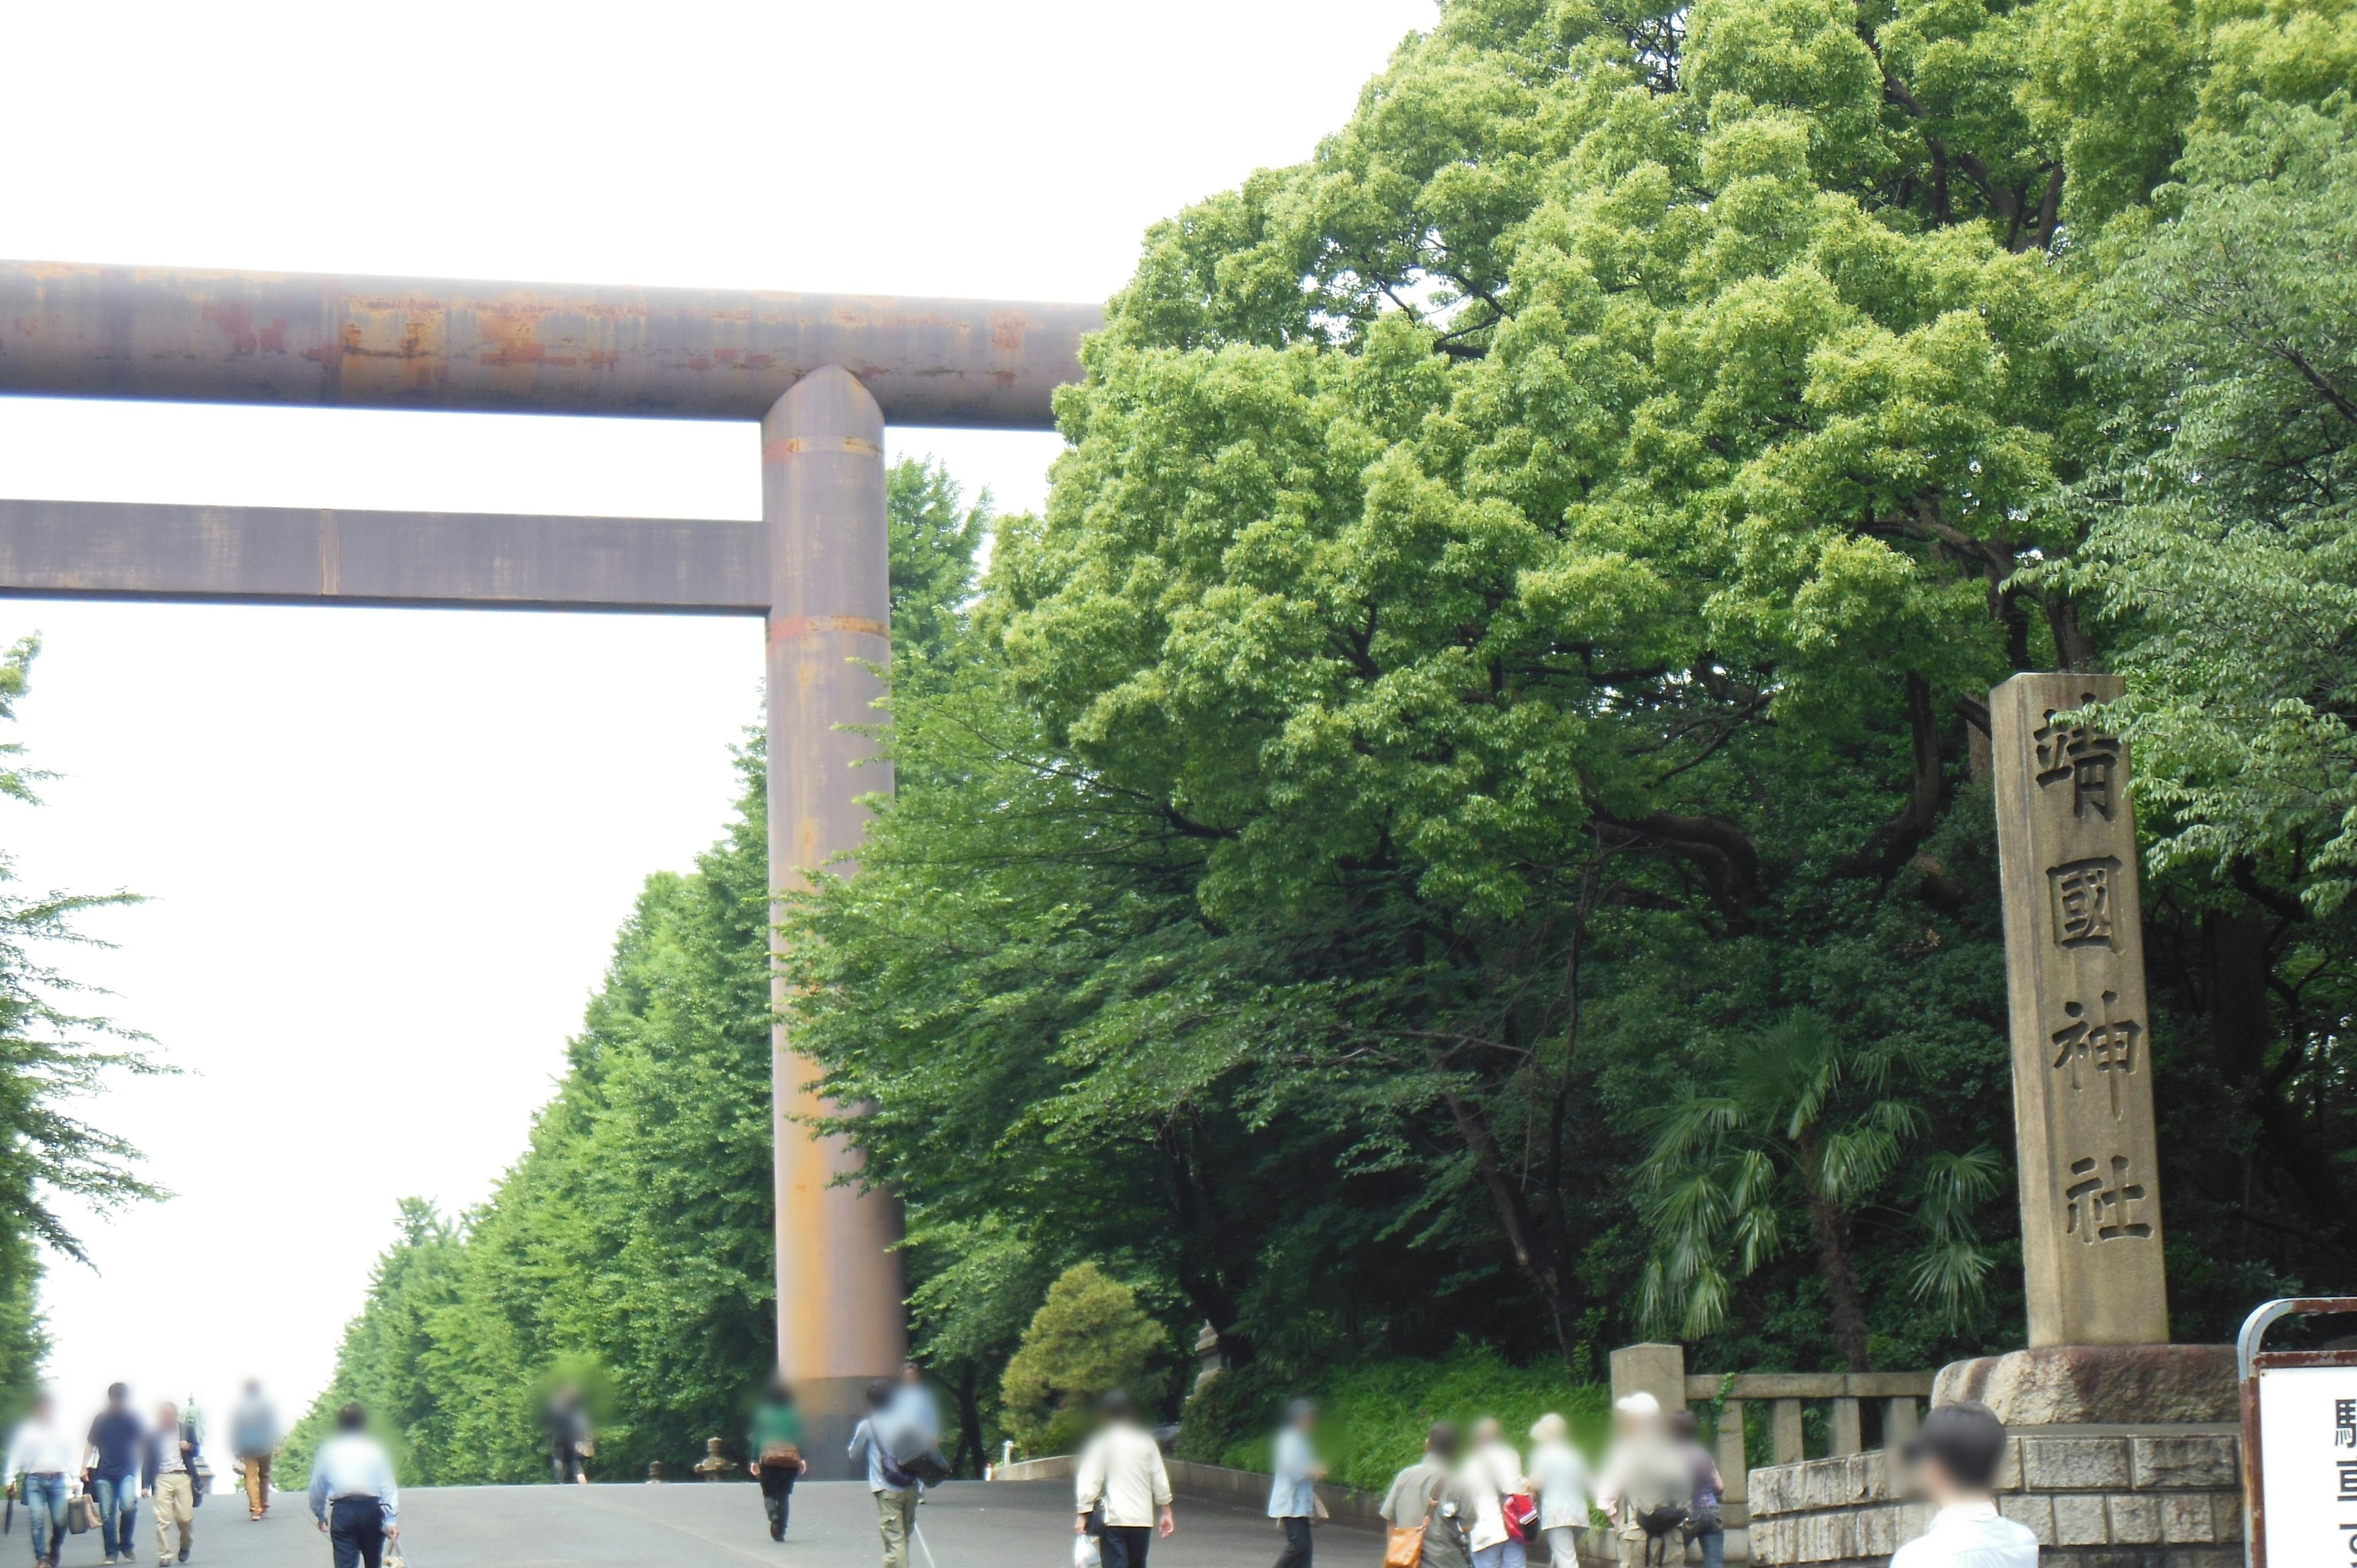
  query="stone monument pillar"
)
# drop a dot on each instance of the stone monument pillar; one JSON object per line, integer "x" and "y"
{"x": 2074, "y": 969}
{"x": 2124, "y": 1450}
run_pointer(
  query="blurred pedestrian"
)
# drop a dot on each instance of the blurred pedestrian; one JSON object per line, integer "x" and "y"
{"x": 1426, "y": 1498}
{"x": 168, "y": 1464}
{"x": 1706, "y": 1524}
{"x": 778, "y": 1461}
{"x": 42, "y": 1456}
{"x": 1494, "y": 1477}
{"x": 254, "y": 1436}
{"x": 1293, "y": 1490}
{"x": 353, "y": 1493}
{"x": 1648, "y": 1487}
{"x": 1124, "y": 1483}
{"x": 896, "y": 1491}
{"x": 1957, "y": 1452}
{"x": 110, "y": 1472}
{"x": 571, "y": 1441}
{"x": 1559, "y": 1479}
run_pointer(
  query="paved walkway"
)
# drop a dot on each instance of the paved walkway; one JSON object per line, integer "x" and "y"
{"x": 1010, "y": 1524}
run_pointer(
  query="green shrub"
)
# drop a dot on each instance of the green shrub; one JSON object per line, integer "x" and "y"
{"x": 1373, "y": 1417}
{"x": 1089, "y": 1336}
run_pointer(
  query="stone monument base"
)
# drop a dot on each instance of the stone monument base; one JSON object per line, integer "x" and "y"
{"x": 2118, "y": 1456}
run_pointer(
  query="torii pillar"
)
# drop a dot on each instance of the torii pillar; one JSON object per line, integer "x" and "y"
{"x": 821, "y": 373}
{"x": 839, "y": 1276}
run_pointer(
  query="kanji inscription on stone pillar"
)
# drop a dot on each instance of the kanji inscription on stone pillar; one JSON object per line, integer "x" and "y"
{"x": 2074, "y": 970}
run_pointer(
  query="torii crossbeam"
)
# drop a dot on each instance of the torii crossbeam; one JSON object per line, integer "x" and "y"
{"x": 823, "y": 374}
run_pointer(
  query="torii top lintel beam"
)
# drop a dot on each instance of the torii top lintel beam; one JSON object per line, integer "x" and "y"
{"x": 188, "y": 336}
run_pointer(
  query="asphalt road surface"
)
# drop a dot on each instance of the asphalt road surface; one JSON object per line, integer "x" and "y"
{"x": 970, "y": 1524}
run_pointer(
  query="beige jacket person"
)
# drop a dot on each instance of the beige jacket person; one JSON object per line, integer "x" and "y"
{"x": 1122, "y": 1466}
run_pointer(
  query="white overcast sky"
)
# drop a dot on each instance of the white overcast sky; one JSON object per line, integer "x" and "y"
{"x": 385, "y": 852}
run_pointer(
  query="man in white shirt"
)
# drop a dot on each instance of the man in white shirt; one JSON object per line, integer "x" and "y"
{"x": 41, "y": 1456}
{"x": 1122, "y": 1469}
{"x": 1957, "y": 1452}
{"x": 353, "y": 1495}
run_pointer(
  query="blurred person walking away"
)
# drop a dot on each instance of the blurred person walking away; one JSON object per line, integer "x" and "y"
{"x": 1123, "y": 1474}
{"x": 1705, "y": 1525}
{"x": 1957, "y": 1452}
{"x": 778, "y": 1462}
{"x": 42, "y": 1456}
{"x": 353, "y": 1494}
{"x": 1293, "y": 1490}
{"x": 1503, "y": 1517}
{"x": 111, "y": 1471}
{"x": 571, "y": 1442}
{"x": 1426, "y": 1509}
{"x": 1559, "y": 1479}
{"x": 1648, "y": 1487}
{"x": 895, "y": 1490}
{"x": 168, "y": 1462}
{"x": 254, "y": 1436}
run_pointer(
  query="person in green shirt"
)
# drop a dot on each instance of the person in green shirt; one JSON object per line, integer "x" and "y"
{"x": 777, "y": 1445}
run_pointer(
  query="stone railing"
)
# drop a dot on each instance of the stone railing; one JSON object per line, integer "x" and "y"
{"x": 2097, "y": 1498}
{"x": 2119, "y": 1457}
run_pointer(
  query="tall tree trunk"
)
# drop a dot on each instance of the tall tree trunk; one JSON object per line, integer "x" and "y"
{"x": 1829, "y": 1233}
{"x": 970, "y": 1454}
{"x": 1536, "y": 1251}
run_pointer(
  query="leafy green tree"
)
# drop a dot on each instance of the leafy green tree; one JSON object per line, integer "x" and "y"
{"x": 1514, "y": 620}
{"x": 1088, "y": 1337}
{"x": 1801, "y": 1123}
{"x": 52, "y": 1055}
{"x": 2222, "y": 559}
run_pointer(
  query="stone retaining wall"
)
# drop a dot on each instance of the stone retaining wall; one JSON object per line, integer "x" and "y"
{"x": 2096, "y": 1496}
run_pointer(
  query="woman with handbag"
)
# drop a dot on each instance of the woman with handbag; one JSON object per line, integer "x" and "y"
{"x": 778, "y": 1461}
{"x": 1503, "y": 1515}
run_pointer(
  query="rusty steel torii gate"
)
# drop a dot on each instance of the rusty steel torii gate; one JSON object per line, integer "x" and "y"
{"x": 823, "y": 375}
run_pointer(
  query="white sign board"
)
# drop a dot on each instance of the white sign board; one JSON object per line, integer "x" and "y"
{"x": 2307, "y": 1463}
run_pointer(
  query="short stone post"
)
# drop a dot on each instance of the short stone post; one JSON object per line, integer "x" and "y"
{"x": 1657, "y": 1369}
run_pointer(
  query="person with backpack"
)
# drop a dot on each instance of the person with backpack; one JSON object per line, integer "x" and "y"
{"x": 895, "y": 1490}
{"x": 1425, "y": 1510}
{"x": 1559, "y": 1476}
{"x": 1648, "y": 1487}
{"x": 1708, "y": 1526}
{"x": 778, "y": 1461}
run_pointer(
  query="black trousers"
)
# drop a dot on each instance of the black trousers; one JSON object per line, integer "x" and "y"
{"x": 1123, "y": 1545}
{"x": 1296, "y": 1544}
{"x": 356, "y": 1528}
{"x": 778, "y": 1493}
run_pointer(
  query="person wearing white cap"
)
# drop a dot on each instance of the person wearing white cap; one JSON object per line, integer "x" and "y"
{"x": 1648, "y": 1489}
{"x": 1560, "y": 1477}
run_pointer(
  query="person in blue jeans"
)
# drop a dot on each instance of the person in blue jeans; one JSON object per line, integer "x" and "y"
{"x": 110, "y": 1469}
{"x": 41, "y": 1457}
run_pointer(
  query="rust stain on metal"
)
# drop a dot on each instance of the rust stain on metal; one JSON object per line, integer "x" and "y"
{"x": 181, "y": 335}
{"x": 785, "y": 628}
